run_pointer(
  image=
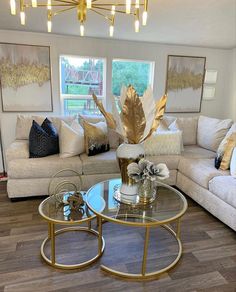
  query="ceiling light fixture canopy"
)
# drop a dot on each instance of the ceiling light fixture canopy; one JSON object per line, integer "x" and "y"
{"x": 105, "y": 8}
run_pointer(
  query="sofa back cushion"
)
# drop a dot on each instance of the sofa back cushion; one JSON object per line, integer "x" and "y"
{"x": 24, "y": 123}
{"x": 188, "y": 126}
{"x": 211, "y": 132}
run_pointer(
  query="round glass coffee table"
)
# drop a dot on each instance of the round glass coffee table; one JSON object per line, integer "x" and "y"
{"x": 56, "y": 213}
{"x": 169, "y": 206}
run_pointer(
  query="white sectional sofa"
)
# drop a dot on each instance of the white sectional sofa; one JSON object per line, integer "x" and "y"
{"x": 193, "y": 171}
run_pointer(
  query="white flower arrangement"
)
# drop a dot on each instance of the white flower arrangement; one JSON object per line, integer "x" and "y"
{"x": 146, "y": 170}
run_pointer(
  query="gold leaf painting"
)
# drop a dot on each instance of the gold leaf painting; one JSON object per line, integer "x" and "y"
{"x": 25, "y": 77}
{"x": 185, "y": 77}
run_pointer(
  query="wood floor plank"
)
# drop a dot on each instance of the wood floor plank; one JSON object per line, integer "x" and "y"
{"x": 215, "y": 253}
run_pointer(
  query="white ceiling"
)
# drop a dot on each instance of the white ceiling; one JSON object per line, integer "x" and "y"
{"x": 207, "y": 23}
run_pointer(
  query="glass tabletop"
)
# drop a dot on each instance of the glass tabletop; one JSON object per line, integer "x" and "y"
{"x": 54, "y": 211}
{"x": 168, "y": 206}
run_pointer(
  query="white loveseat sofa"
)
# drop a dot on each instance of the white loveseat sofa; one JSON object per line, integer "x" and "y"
{"x": 193, "y": 171}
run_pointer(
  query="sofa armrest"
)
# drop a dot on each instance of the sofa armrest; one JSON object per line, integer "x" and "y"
{"x": 18, "y": 149}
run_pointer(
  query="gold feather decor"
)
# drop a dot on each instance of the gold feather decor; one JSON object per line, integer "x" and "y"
{"x": 137, "y": 120}
{"x": 133, "y": 117}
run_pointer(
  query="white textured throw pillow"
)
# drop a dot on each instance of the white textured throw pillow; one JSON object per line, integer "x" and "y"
{"x": 211, "y": 132}
{"x": 233, "y": 164}
{"x": 164, "y": 143}
{"x": 71, "y": 139}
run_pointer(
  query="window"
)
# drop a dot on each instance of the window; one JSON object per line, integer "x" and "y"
{"x": 80, "y": 77}
{"x": 137, "y": 73}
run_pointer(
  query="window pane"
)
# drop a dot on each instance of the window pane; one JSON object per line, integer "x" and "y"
{"x": 136, "y": 73}
{"x": 81, "y": 76}
{"x": 82, "y": 106}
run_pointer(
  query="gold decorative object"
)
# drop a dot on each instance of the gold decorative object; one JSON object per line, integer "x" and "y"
{"x": 133, "y": 117}
{"x": 158, "y": 214}
{"x": 136, "y": 122}
{"x": 137, "y": 119}
{"x": 66, "y": 193}
{"x": 106, "y": 9}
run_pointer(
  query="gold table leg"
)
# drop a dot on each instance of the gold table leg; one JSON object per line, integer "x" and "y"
{"x": 145, "y": 250}
{"x": 99, "y": 222}
{"x": 151, "y": 275}
{"x": 51, "y": 237}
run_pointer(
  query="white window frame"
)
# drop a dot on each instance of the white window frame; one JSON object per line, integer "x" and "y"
{"x": 75, "y": 96}
{"x": 152, "y": 70}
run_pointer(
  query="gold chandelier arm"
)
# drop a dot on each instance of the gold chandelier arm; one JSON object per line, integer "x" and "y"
{"x": 53, "y": 5}
{"x": 107, "y": 9}
{"x": 99, "y": 13}
{"x": 67, "y": 1}
{"x": 63, "y": 10}
{"x": 111, "y": 4}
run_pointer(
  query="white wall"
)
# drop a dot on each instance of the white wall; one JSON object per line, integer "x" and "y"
{"x": 232, "y": 109}
{"x": 215, "y": 59}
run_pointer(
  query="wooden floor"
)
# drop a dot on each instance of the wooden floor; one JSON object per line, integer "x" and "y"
{"x": 208, "y": 262}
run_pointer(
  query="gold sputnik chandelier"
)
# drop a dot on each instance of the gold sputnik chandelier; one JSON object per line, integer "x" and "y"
{"x": 104, "y": 8}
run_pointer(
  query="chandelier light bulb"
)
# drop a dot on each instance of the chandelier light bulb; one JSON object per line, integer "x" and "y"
{"x": 128, "y": 6}
{"x": 49, "y": 26}
{"x": 89, "y": 4}
{"x": 113, "y": 10}
{"x": 81, "y": 29}
{"x": 111, "y": 30}
{"x": 137, "y": 4}
{"x": 13, "y": 7}
{"x": 144, "y": 20}
{"x": 49, "y": 4}
{"x": 22, "y": 18}
{"x": 136, "y": 25}
{"x": 34, "y": 3}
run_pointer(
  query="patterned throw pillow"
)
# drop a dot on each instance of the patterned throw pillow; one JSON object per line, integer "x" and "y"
{"x": 43, "y": 140}
{"x": 222, "y": 147}
{"x": 96, "y": 138}
{"x": 231, "y": 144}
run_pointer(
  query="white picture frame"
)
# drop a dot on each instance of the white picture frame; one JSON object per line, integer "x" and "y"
{"x": 208, "y": 92}
{"x": 211, "y": 76}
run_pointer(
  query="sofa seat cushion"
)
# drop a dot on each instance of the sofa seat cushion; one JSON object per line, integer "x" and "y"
{"x": 201, "y": 171}
{"x": 101, "y": 163}
{"x": 196, "y": 152}
{"x": 171, "y": 161}
{"x": 224, "y": 187}
{"x": 42, "y": 167}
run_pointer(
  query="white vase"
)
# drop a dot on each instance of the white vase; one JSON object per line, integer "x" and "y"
{"x": 127, "y": 153}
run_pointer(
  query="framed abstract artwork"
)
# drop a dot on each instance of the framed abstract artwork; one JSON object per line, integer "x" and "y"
{"x": 25, "y": 78}
{"x": 184, "y": 83}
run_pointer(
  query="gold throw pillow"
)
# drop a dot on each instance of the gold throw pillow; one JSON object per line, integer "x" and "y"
{"x": 231, "y": 143}
{"x": 96, "y": 138}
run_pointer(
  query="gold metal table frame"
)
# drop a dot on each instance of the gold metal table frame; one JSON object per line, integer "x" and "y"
{"x": 52, "y": 233}
{"x": 147, "y": 225}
